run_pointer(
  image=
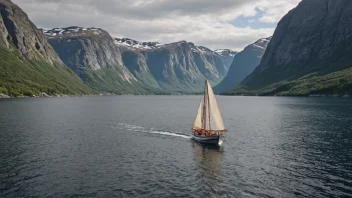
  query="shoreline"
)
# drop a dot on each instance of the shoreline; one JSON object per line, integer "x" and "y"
{"x": 309, "y": 96}
{"x": 3, "y": 96}
{"x": 101, "y": 95}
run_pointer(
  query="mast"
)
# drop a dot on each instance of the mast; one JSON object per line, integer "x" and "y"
{"x": 209, "y": 112}
{"x": 208, "y": 105}
{"x": 204, "y": 106}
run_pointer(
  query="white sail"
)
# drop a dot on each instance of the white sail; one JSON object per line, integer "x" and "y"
{"x": 208, "y": 121}
{"x": 198, "y": 122}
{"x": 215, "y": 118}
{"x": 208, "y": 115}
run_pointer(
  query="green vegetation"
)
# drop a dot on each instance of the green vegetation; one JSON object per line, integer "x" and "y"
{"x": 108, "y": 80}
{"x": 336, "y": 83}
{"x": 23, "y": 78}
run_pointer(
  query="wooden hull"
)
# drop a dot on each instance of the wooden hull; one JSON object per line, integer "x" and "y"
{"x": 208, "y": 139}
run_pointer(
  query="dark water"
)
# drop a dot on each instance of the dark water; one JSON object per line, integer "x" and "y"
{"x": 139, "y": 147}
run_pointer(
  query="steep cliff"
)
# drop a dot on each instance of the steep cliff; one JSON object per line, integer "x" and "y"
{"x": 243, "y": 64}
{"x": 176, "y": 67}
{"x": 28, "y": 64}
{"x": 92, "y": 54}
{"x": 17, "y": 29}
{"x": 314, "y": 39}
{"x": 227, "y": 57}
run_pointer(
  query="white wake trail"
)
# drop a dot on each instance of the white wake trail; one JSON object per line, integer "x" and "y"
{"x": 153, "y": 131}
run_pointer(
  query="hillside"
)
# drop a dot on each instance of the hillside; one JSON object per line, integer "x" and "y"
{"x": 243, "y": 64}
{"x": 93, "y": 56}
{"x": 28, "y": 64}
{"x": 313, "y": 39}
{"x": 175, "y": 67}
{"x": 333, "y": 84}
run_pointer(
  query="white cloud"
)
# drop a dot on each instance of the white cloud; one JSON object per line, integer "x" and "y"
{"x": 204, "y": 22}
{"x": 274, "y": 12}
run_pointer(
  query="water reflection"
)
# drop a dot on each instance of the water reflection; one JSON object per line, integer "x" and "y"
{"x": 208, "y": 161}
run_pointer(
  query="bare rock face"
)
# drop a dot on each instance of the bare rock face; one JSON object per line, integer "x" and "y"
{"x": 2, "y": 95}
{"x": 174, "y": 67}
{"x": 243, "y": 64}
{"x": 17, "y": 31}
{"x": 227, "y": 57}
{"x": 314, "y": 38}
{"x": 177, "y": 67}
{"x": 28, "y": 63}
{"x": 92, "y": 54}
{"x": 85, "y": 47}
{"x": 170, "y": 67}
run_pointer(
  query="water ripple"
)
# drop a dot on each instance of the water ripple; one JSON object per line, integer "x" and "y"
{"x": 136, "y": 147}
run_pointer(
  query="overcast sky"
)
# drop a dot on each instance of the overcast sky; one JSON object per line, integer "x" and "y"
{"x": 216, "y": 24}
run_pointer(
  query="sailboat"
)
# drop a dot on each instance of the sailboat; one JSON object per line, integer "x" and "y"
{"x": 208, "y": 126}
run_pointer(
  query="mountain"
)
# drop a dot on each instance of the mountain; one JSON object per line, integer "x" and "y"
{"x": 136, "y": 44}
{"x": 176, "y": 67}
{"x": 28, "y": 64}
{"x": 92, "y": 54}
{"x": 243, "y": 64}
{"x": 227, "y": 55}
{"x": 313, "y": 41}
{"x": 226, "y": 52}
{"x": 127, "y": 66}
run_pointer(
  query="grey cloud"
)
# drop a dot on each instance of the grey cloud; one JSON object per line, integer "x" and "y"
{"x": 148, "y": 10}
{"x": 139, "y": 21}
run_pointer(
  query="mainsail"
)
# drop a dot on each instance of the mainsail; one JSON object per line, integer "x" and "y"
{"x": 208, "y": 116}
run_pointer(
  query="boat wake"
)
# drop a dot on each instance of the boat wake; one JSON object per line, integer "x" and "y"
{"x": 130, "y": 127}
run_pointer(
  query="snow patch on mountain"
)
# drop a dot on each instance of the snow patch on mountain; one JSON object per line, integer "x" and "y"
{"x": 155, "y": 45}
{"x": 136, "y": 44}
{"x": 262, "y": 43}
{"x": 200, "y": 49}
{"x": 72, "y": 31}
{"x": 226, "y": 52}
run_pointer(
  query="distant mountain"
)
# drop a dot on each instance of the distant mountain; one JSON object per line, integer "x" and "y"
{"x": 226, "y": 52}
{"x": 176, "y": 67}
{"x": 136, "y": 44}
{"x": 93, "y": 55}
{"x": 123, "y": 65}
{"x": 311, "y": 41}
{"x": 243, "y": 64}
{"x": 228, "y": 56}
{"x": 28, "y": 64}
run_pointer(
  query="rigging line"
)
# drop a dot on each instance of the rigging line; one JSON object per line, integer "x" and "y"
{"x": 208, "y": 105}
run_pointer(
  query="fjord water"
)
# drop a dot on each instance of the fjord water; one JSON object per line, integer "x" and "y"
{"x": 139, "y": 146}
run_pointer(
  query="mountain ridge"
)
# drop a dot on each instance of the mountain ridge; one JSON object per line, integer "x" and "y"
{"x": 194, "y": 61}
{"x": 243, "y": 64}
{"x": 93, "y": 55}
{"x": 173, "y": 67}
{"x": 314, "y": 39}
{"x": 301, "y": 47}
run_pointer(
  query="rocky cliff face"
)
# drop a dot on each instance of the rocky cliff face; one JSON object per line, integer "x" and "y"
{"x": 243, "y": 64}
{"x": 227, "y": 56}
{"x": 28, "y": 63}
{"x": 92, "y": 54}
{"x": 177, "y": 67}
{"x": 172, "y": 67}
{"x": 315, "y": 38}
{"x": 118, "y": 65}
{"x": 18, "y": 32}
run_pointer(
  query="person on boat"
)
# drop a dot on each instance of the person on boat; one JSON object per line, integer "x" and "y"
{"x": 198, "y": 131}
